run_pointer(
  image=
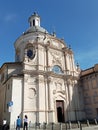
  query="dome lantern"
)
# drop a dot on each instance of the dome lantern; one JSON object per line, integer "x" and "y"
{"x": 34, "y": 20}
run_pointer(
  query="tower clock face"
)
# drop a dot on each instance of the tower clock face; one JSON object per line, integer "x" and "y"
{"x": 30, "y": 53}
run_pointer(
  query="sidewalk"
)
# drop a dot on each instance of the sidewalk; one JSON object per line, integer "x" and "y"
{"x": 87, "y": 128}
{"x": 83, "y": 128}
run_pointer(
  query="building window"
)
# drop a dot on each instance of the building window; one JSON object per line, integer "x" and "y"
{"x": 95, "y": 99}
{"x": 56, "y": 69}
{"x": 86, "y": 86}
{"x": 8, "y": 86}
{"x": 87, "y": 101}
{"x": 88, "y": 111}
{"x": 17, "y": 58}
{"x": 33, "y": 22}
{"x": 17, "y": 55}
{"x": 30, "y": 24}
{"x": 2, "y": 77}
{"x": 97, "y": 112}
{"x": 94, "y": 83}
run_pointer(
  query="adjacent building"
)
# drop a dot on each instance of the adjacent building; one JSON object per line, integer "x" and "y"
{"x": 89, "y": 84}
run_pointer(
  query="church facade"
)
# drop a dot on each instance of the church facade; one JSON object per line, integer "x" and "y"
{"x": 43, "y": 82}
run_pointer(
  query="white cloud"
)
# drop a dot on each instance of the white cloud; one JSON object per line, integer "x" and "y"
{"x": 9, "y": 17}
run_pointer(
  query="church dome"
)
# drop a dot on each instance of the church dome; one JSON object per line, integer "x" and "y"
{"x": 36, "y": 29}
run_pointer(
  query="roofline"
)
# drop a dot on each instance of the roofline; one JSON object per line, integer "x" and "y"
{"x": 9, "y": 63}
{"x": 89, "y": 71}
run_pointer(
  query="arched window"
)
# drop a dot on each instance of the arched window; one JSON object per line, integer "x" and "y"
{"x": 17, "y": 55}
{"x": 33, "y": 22}
{"x": 57, "y": 69}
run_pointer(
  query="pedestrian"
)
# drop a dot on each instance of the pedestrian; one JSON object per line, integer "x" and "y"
{"x": 5, "y": 125}
{"x": 25, "y": 123}
{"x": 18, "y": 123}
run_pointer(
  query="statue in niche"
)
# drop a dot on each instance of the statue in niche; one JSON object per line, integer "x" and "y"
{"x": 32, "y": 93}
{"x": 58, "y": 86}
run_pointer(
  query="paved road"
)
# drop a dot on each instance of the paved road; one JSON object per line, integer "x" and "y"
{"x": 83, "y": 128}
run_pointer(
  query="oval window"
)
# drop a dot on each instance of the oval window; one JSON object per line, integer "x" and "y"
{"x": 57, "y": 69}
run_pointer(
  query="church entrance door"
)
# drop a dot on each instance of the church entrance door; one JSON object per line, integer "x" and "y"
{"x": 60, "y": 110}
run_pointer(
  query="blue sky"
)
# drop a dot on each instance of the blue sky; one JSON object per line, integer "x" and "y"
{"x": 74, "y": 20}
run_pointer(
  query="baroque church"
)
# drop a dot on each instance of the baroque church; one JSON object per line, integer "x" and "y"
{"x": 44, "y": 82}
